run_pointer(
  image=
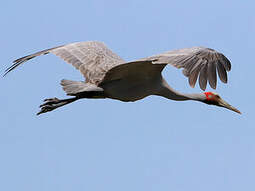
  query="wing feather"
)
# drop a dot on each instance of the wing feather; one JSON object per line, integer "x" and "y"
{"x": 92, "y": 58}
{"x": 196, "y": 61}
{"x": 194, "y": 73}
{"x": 203, "y": 77}
{"x": 222, "y": 72}
{"x": 212, "y": 77}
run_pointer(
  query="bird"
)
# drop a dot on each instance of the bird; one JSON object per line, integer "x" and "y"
{"x": 109, "y": 76}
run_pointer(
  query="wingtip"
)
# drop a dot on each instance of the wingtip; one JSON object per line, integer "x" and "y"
{"x": 6, "y": 71}
{"x": 203, "y": 88}
{"x": 9, "y": 69}
{"x": 4, "y": 74}
{"x": 214, "y": 86}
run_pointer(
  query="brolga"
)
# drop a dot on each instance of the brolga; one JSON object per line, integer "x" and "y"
{"x": 109, "y": 76}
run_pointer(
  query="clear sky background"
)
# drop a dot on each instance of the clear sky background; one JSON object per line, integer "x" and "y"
{"x": 152, "y": 144}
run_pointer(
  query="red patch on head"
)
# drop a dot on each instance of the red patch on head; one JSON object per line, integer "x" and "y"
{"x": 209, "y": 95}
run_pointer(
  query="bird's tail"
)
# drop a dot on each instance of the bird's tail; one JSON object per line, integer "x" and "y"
{"x": 74, "y": 88}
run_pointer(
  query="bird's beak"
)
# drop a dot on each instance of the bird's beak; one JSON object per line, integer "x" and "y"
{"x": 223, "y": 103}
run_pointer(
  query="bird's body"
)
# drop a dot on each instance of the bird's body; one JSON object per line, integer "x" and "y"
{"x": 108, "y": 76}
{"x": 126, "y": 90}
{"x": 136, "y": 85}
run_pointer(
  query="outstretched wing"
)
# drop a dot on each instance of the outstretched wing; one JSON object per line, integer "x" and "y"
{"x": 93, "y": 59}
{"x": 196, "y": 61}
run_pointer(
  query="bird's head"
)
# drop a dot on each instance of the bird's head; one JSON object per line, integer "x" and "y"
{"x": 214, "y": 99}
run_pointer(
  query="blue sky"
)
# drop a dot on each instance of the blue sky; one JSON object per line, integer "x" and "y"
{"x": 152, "y": 144}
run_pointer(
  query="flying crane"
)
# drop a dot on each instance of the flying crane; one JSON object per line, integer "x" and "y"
{"x": 109, "y": 76}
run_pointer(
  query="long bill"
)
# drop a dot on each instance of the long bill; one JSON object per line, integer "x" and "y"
{"x": 223, "y": 103}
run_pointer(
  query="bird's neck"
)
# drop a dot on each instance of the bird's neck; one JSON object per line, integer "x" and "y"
{"x": 168, "y": 92}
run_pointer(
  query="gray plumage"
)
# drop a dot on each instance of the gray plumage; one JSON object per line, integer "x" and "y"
{"x": 109, "y": 76}
{"x": 93, "y": 59}
{"x": 196, "y": 61}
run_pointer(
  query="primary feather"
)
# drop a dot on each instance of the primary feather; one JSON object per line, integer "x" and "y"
{"x": 196, "y": 61}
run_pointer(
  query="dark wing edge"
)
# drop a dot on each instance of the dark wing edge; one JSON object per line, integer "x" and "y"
{"x": 196, "y": 62}
{"x": 20, "y": 61}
